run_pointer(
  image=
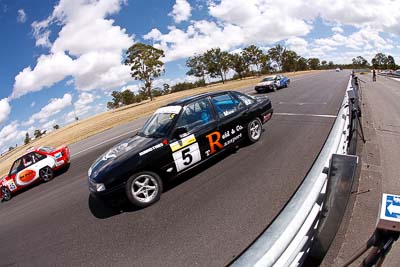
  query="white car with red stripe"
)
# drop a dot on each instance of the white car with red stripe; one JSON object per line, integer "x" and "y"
{"x": 37, "y": 164}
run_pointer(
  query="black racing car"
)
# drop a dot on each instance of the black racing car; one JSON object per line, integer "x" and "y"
{"x": 174, "y": 139}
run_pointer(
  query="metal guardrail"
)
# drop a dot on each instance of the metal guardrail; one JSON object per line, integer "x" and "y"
{"x": 288, "y": 239}
{"x": 395, "y": 74}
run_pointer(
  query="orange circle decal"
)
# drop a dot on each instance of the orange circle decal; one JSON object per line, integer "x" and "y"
{"x": 27, "y": 176}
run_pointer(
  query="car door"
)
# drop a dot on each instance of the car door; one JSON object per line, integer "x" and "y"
{"x": 30, "y": 164}
{"x": 24, "y": 171}
{"x": 232, "y": 117}
{"x": 278, "y": 81}
{"x": 189, "y": 143}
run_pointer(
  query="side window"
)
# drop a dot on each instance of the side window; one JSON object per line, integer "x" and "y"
{"x": 37, "y": 156}
{"x": 28, "y": 160}
{"x": 17, "y": 166}
{"x": 247, "y": 100}
{"x": 225, "y": 105}
{"x": 195, "y": 115}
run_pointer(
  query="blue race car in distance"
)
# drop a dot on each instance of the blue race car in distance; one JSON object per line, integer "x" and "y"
{"x": 272, "y": 83}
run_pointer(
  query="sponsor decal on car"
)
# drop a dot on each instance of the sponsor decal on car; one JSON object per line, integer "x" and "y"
{"x": 267, "y": 117}
{"x": 59, "y": 163}
{"x": 25, "y": 177}
{"x": 215, "y": 139}
{"x": 186, "y": 152}
{"x": 144, "y": 152}
{"x": 58, "y": 155}
{"x": 183, "y": 142}
{"x": 11, "y": 185}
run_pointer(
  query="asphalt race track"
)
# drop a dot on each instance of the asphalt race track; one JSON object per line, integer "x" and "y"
{"x": 205, "y": 218}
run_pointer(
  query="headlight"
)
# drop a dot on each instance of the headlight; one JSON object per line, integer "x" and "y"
{"x": 96, "y": 187}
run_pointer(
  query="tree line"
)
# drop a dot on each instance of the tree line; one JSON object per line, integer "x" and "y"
{"x": 214, "y": 64}
{"x": 379, "y": 61}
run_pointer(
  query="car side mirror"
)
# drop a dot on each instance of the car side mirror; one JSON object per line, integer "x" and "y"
{"x": 179, "y": 132}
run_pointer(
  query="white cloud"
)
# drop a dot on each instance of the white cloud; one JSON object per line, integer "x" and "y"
{"x": 9, "y": 133}
{"x": 4, "y": 110}
{"x": 337, "y": 29}
{"x": 364, "y": 39}
{"x": 69, "y": 117}
{"x": 49, "y": 70}
{"x": 48, "y": 125}
{"x": 41, "y": 32}
{"x": 21, "y": 18}
{"x": 181, "y": 11}
{"x": 299, "y": 45}
{"x": 33, "y": 104}
{"x": 238, "y": 23}
{"x": 82, "y": 105}
{"x": 381, "y": 15}
{"x": 89, "y": 48}
{"x": 54, "y": 107}
{"x": 135, "y": 88}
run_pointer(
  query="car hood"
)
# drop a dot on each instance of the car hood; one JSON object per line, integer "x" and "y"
{"x": 264, "y": 83}
{"x": 114, "y": 157}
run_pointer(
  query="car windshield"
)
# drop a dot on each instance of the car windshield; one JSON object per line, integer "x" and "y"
{"x": 160, "y": 122}
{"x": 267, "y": 79}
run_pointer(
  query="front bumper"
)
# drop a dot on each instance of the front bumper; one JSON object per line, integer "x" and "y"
{"x": 117, "y": 189}
{"x": 264, "y": 88}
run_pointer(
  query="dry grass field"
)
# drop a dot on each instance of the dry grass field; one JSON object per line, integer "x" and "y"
{"x": 85, "y": 128}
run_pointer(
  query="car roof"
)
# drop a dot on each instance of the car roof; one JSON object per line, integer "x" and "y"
{"x": 271, "y": 76}
{"x": 185, "y": 100}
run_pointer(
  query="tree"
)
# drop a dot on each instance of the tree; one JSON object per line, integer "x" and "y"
{"x": 56, "y": 127}
{"x": 391, "y": 64}
{"x": 252, "y": 56}
{"x": 27, "y": 139}
{"x": 313, "y": 63}
{"x": 10, "y": 148}
{"x": 157, "y": 92}
{"x": 116, "y": 100}
{"x": 323, "y": 64}
{"x": 302, "y": 63}
{"x": 330, "y": 64}
{"x": 197, "y": 67}
{"x": 359, "y": 62}
{"x": 380, "y": 61}
{"x": 289, "y": 60}
{"x": 276, "y": 54}
{"x": 37, "y": 133}
{"x": 166, "y": 89}
{"x": 127, "y": 97}
{"x": 217, "y": 63}
{"x": 265, "y": 63}
{"x": 145, "y": 64}
{"x": 238, "y": 64}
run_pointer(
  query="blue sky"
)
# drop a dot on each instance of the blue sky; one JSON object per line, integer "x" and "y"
{"x": 61, "y": 59}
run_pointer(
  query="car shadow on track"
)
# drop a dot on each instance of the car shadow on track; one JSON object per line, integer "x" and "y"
{"x": 105, "y": 209}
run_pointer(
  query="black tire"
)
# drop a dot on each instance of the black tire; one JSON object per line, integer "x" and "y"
{"x": 287, "y": 84}
{"x": 5, "y": 193}
{"x": 46, "y": 174}
{"x": 274, "y": 88}
{"x": 254, "y": 130}
{"x": 143, "y": 189}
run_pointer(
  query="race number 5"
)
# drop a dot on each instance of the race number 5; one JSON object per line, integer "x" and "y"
{"x": 187, "y": 156}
